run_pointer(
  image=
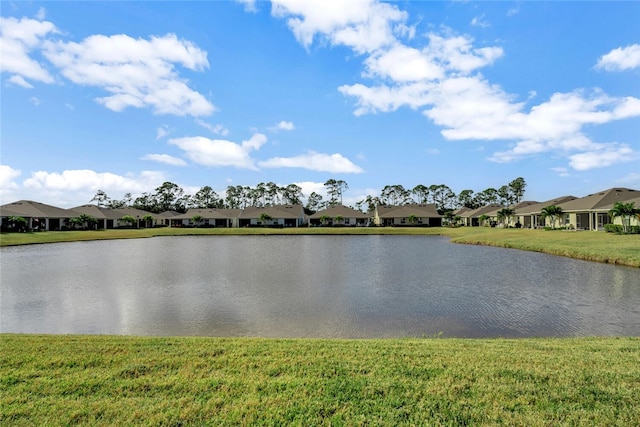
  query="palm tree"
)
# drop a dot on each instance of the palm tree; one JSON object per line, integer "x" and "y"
{"x": 625, "y": 211}
{"x": 338, "y": 219}
{"x": 148, "y": 219}
{"x": 324, "y": 219}
{"x": 196, "y": 219}
{"x": 412, "y": 219}
{"x": 482, "y": 219}
{"x": 504, "y": 214}
{"x": 553, "y": 212}
{"x": 264, "y": 218}
{"x": 128, "y": 219}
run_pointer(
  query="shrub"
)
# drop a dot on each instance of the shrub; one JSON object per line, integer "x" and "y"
{"x": 615, "y": 228}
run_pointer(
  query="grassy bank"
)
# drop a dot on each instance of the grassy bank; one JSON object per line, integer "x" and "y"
{"x": 63, "y": 380}
{"x": 587, "y": 245}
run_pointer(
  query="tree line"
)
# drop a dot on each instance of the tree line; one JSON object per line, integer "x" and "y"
{"x": 171, "y": 197}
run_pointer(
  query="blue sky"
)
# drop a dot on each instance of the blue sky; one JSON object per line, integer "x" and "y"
{"x": 123, "y": 96}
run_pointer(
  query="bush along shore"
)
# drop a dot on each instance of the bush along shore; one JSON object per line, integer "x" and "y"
{"x": 587, "y": 245}
{"x": 101, "y": 380}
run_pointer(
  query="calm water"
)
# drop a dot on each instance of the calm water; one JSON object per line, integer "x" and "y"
{"x": 311, "y": 286}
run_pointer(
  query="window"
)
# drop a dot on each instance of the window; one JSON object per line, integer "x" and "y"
{"x": 346, "y": 221}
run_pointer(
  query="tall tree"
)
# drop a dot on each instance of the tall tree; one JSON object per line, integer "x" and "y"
{"x": 467, "y": 199}
{"x": 292, "y": 195}
{"x": 314, "y": 202}
{"x": 420, "y": 194}
{"x": 166, "y": 195}
{"x": 488, "y": 196}
{"x": 205, "y": 198}
{"x": 145, "y": 202}
{"x": 394, "y": 195}
{"x": 370, "y": 203}
{"x": 272, "y": 194}
{"x": 443, "y": 197}
{"x": 517, "y": 188}
{"x": 504, "y": 195}
{"x": 101, "y": 198}
{"x": 335, "y": 189}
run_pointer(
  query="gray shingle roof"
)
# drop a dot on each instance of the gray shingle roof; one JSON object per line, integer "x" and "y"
{"x": 31, "y": 209}
{"x": 405, "y": 211}
{"x": 600, "y": 200}
{"x": 340, "y": 210}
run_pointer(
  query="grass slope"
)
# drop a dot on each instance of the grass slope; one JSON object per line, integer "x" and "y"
{"x": 97, "y": 380}
{"x": 591, "y": 246}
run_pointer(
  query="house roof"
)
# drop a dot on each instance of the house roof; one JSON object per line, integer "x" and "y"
{"x": 405, "y": 211}
{"x": 462, "y": 211}
{"x": 280, "y": 211}
{"x": 208, "y": 213}
{"x": 340, "y": 210}
{"x": 31, "y": 209}
{"x": 168, "y": 214}
{"x": 600, "y": 200}
{"x": 537, "y": 207}
{"x": 523, "y": 207}
{"x": 635, "y": 201}
{"x": 481, "y": 211}
{"x": 108, "y": 213}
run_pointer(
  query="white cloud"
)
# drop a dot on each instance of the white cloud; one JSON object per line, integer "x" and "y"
{"x": 18, "y": 37}
{"x": 561, "y": 171}
{"x": 335, "y": 163}
{"x": 217, "y": 129}
{"x": 607, "y": 155}
{"x": 7, "y": 175}
{"x": 8, "y": 187}
{"x": 136, "y": 72}
{"x": 41, "y": 14}
{"x": 620, "y": 59}
{"x": 364, "y": 25}
{"x": 442, "y": 78}
{"x": 75, "y": 187}
{"x": 402, "y": 63}
{"x": 309, "y": 187}
{"x": 20, "y": 81}
{"x": 218, "y": 152}
{"x": 35, "y": 101}
{"x": 162, "y": 131}
{"x": 283, "y": 125}
{"x": 165, "y": 158}
{"x": 480, "y": 21}
{"x": 249, "y": 5}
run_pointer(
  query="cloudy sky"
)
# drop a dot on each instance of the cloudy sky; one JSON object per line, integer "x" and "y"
{"x": 122, "y": 96}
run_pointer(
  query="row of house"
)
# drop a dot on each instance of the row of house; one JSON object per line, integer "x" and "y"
{"x": 590, "y": 213}
{"x": 579, "y": 213}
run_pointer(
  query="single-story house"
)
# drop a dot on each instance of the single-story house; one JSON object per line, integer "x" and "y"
{"x": 530, "y": 216}
{"x": 226, "y": 218}
{"x": 592, "y": 212}
{"x": 339, "y": 215}
{"x": 39, "y": 216}
{"x": 279, "y": 215}
{"x": 471, "y": 217}
{"x": 112, "y": 218}
{"x": 414, "y": 215}
{"x": 164, "y": 218}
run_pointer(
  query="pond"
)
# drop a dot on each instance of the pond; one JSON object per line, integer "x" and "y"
{"x": 311, "y": 286}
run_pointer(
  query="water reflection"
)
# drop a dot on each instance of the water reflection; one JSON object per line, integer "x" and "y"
{"x": 311, "y": 286}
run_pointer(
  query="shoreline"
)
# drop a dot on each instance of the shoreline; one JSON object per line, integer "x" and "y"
{"x": 584, "y": 245}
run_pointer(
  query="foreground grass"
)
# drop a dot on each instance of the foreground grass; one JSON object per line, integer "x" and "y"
{"x": 587, "y": 245}
{"x": 89, "y": 380}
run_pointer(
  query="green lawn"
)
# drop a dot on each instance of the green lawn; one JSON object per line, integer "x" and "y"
{"x": 99, "y": 380}
{"x": 588, "y": 245}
